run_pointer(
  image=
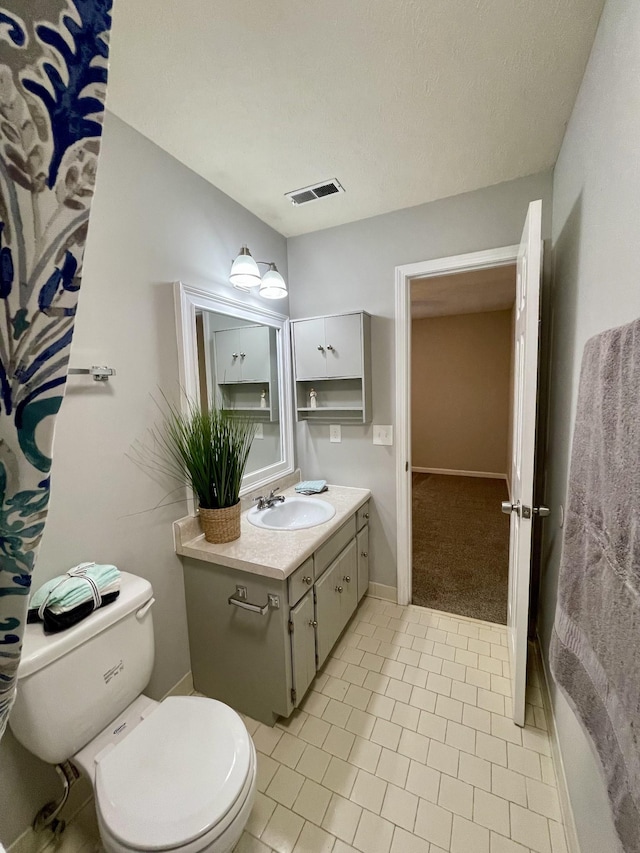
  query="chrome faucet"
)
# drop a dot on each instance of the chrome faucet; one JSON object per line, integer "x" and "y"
{"x": 266, "y": 503}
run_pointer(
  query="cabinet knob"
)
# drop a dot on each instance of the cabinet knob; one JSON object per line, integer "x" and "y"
{"x": 242, "y": 354}
{"x": 320, "y": 348}
{"x": 307, "y": 579}
{"x": 313, "y": 623}
{"x": 338, "y": 589}
{"x": 364, "y": 554}
{"x": 329, "y": 347}
{"x": 234, "y": 355}
{"x": 346, "y": 579}
{"x": 366, "y": 515}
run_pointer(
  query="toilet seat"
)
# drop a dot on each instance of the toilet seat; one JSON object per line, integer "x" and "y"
{"x": 178, "y": 779}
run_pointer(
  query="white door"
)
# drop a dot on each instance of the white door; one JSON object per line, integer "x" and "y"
{"x": 520, "y": 505}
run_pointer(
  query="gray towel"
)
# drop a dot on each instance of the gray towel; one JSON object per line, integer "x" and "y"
{"x": 595, "y": 645}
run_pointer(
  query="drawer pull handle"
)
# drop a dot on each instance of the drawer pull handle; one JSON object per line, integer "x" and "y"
{"x": 313, "y": 623}
{"x": 240, "y": 600}
{"x": 364, "y": 554}
{"x": 307, "y": 579}
{"x": 338, "y": 589}
{"x": 346, "y": 579}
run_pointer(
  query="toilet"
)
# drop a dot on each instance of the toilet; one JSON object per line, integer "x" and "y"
{"x": 176, "y": 775}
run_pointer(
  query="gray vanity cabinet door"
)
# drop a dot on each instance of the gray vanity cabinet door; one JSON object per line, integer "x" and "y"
{"x": 328, "y": 614}
{"x": 362, "y": 542}
{"x": 309, "y": 349}
{"x": 343, "y": 337}
{"x": 228, "y": 361}
{"x": 348, "y": 580}
{"x": 303, "y": 646}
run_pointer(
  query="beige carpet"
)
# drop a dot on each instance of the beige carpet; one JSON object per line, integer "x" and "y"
{"x": 460, "y": 545}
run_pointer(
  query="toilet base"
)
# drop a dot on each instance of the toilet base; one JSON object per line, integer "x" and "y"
{"x": 221, "y": 839}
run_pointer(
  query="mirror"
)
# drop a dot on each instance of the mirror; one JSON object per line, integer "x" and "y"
{"x": 237, "y": 357}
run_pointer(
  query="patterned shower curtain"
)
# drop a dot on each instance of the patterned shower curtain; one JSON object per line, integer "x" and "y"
{"x": 53, "y": 78}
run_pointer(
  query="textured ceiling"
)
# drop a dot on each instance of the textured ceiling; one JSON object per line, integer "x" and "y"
{"x": 464, "y": 293}
{"x": 404, "y": 101}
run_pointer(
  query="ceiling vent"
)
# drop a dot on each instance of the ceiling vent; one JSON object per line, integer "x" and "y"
{"x": 315, "y": 192}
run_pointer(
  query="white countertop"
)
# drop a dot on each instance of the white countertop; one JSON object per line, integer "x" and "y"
{"x": 270, "y": 553}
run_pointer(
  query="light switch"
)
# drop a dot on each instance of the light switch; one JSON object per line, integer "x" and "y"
{"x": 259, "y": 431}
{"x": 382, "y": 434}
{"x": 335, "y": 433}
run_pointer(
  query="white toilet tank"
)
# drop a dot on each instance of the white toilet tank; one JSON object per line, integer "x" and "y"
{"x": 72, "y": 684}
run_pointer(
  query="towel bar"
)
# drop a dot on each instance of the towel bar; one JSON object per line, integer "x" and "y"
{"x": 240, "y": 600}
{"x": 100, "y": 374}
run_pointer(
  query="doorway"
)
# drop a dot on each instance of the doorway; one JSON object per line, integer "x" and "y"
{"x": 462, "y": 355}
{"x": 520, "y": 506}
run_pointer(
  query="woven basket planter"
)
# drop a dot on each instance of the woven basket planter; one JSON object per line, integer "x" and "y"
{"x": 221, "y": 525}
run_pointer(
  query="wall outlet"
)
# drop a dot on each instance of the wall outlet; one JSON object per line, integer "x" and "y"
{"x": 382, "y": 434}
{"x": 259, "y": 431}
{"x": 335, "y": 433}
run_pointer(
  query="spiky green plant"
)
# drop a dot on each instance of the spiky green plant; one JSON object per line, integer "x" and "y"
{"x": 205, "y": 448}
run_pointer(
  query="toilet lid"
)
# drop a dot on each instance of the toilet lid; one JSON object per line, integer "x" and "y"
{"x": 175, "y": 775}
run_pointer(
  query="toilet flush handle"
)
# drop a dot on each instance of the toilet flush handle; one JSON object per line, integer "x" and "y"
{"x": 140, "y": 614}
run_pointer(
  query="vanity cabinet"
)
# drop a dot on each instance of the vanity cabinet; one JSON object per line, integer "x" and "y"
{"x": 332, "y": 365}
{"x": 257, "y": 642}
{"x": 246, "y": 370}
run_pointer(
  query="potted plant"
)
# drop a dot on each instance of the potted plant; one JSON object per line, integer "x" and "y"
{"x": 208, "y": 450}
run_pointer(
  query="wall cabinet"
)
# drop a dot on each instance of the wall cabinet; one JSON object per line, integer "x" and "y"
{"x": 246, "y": 370}
{"x": 262, "y": 663}
{"x": 332, "y": 364}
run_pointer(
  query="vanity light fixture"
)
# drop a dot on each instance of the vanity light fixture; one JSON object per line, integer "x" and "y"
{"x": 245, "y": 275}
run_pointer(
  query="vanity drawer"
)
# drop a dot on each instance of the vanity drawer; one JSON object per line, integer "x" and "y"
{"x": 362, "y": 516}
{"x": 327, "y": 553}
{"x": 300, "y": 581}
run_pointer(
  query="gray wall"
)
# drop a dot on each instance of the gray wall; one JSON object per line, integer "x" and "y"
{"x": 153, "y": 221}
{"x": 596, "y": 285}
{"x": 352, "y": 267}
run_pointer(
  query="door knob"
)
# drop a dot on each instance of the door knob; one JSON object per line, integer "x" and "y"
{"x": 541, "y": 511}
{"x": 508, "y": 507}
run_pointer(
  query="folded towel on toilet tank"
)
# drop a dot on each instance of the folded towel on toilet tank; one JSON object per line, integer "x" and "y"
{"x": 66, "y": 599}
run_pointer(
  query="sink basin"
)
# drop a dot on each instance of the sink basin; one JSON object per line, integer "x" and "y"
{"x": 294, "y": 513}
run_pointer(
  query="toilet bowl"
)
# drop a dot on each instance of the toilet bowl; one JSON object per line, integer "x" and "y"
{"x": 176, "y": 775}
{"x": 183, "y": 779}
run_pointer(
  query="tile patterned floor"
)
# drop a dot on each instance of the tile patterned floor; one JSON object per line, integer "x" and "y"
{"x": 404, "y": 745}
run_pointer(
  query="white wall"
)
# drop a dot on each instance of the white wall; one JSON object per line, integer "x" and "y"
{"x": 596, "y": 222}
{"x": 352, "y": 267}
{"x": 153, "y": 221}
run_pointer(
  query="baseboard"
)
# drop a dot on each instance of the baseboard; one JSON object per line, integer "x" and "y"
{"x": 571, "y": 834}
{"x": 183, "y": 688}
{"x": 381, "y": 590}
{"x": 454, "y": 473}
